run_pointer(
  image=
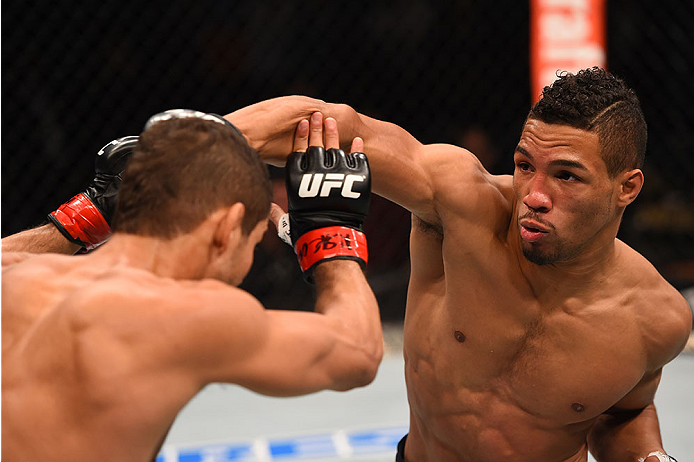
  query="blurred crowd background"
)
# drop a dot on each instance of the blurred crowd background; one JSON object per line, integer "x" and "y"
{"x": 77, "y": 74}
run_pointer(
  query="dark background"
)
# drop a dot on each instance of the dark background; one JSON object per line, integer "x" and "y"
{"x": 76, "y": 75}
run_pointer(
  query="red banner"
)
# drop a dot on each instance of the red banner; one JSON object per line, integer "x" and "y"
{"x": 565, "y": 35}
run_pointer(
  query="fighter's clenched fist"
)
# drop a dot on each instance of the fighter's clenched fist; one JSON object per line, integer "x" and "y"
{"x": 85, "y": 219}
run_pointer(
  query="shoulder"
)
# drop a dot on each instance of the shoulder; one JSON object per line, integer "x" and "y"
{"x": 142, "y": 294}
{"x": 36, "y": 270}
{"x": 35, "y": 260}
{"x": 163, "y": 323}
{"x": 137, "y": 308}
{"x": 662, "y": 313}
{"x": 669, "y": 326}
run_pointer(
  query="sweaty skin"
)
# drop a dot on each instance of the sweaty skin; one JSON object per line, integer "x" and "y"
{"x": 529, "y": 328}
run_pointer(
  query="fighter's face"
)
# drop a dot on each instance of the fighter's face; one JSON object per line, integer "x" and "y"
{"x": 563, "y": 191}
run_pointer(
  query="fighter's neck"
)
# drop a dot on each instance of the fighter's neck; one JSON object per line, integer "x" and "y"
{"x": 178, "y": 258}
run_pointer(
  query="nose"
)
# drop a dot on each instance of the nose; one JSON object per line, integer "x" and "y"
{"x": 537, "y": 198}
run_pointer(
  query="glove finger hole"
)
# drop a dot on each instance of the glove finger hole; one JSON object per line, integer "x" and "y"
{"x": 351, "y": 161}
{"x": 296, "y": 162}
{"x": 338, "y": 157}
{"x": 360, "y": 161}
{"x": 329, "y": 158}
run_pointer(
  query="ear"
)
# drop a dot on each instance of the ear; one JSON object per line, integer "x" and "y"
{"x": 228, "y": 227}
{"x": 630, "y": 184}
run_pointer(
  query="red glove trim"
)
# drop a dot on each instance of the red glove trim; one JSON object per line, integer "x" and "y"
{"x": 330, "y": 242}
{"x": 83, "y": 221}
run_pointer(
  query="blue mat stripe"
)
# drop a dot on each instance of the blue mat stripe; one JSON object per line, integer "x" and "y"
{"x": 319, "y": 446}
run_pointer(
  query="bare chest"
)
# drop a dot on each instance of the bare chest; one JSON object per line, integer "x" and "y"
{"x": 495, "y": 351}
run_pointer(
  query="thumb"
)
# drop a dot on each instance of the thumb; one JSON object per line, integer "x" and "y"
{"x": 357, "y": 145}
{"x": 281, "y": 221}
{"x": 276, "y": 213}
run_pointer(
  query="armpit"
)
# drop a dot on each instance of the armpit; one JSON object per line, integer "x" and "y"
{"x": 623, "y": 414}
{"x": 434, "y": 230}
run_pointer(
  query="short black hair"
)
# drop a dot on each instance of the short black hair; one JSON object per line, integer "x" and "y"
{"x": 597, "y": 101}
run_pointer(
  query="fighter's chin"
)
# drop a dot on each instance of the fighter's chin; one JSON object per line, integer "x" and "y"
{"x": 537, "y": 256}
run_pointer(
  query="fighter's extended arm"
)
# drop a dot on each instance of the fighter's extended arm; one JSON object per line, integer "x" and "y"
{"x": 224, "y": 334}
{"x": 42, "y": 239}
{"x": 83, "y": 221}
{"x": 401, "y": 166}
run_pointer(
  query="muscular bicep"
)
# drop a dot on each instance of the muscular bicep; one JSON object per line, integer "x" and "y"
{"x": 426, "y": 179}
{"x": 419, "y": 177}
{"x": 398, "y": 161}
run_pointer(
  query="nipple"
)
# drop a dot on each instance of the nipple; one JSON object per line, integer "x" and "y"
{"x": 578, "y": 407}
{"x": 459, "y": 336}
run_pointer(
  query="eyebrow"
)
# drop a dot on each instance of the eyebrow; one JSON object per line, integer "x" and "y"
{"x": 559, "y": 162}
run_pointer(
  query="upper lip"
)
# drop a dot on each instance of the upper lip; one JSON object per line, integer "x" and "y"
{"x": 532, "y": 224}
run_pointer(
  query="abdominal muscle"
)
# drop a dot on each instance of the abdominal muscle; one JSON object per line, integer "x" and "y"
{"x": 461, "y": 425}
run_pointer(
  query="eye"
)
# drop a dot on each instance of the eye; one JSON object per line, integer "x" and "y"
{"x": 523, "y": 166}
{"x": 567, "y": 176}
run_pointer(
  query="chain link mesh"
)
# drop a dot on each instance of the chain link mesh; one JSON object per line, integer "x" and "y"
{"x": 77, "y": 74}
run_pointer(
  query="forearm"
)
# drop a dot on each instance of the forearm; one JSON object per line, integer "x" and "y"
{"x": 43, "y": 239}
{"x": 344, "y": 296}
{"x": 617, "y": 439}
{"x": 269, "y": 127}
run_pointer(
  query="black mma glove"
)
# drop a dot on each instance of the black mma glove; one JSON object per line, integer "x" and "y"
{"x": 329, "y": 194}
{"x": 85, "y": 218}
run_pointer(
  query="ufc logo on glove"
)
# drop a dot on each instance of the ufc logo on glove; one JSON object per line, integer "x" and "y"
{"x": 328, "y": 193}
{"x": 311, "y": 183}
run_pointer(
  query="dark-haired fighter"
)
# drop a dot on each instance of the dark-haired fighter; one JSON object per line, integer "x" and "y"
{"x": 100, "y": 352}
{"x": 532, "y": 334}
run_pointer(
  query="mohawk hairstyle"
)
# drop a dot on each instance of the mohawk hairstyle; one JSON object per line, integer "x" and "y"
{"x": 596, "y": 101}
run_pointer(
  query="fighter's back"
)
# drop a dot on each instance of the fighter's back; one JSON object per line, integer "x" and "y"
{"x": 73, "y": 383}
